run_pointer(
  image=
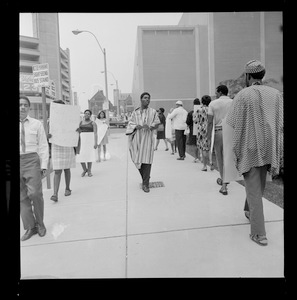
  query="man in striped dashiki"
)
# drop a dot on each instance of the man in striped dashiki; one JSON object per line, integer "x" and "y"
{"x": 140, "y": 130}
{"x": 256, "y": 116}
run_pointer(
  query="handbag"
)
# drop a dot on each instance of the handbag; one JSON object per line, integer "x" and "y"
{"x": 160, "y": 127}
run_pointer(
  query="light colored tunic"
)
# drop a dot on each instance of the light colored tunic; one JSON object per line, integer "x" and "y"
{"x": 256, "y": 115}
{"x": 141, "y": 142}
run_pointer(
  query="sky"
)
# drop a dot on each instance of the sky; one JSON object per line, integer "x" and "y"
{"x": 116, "y": 32}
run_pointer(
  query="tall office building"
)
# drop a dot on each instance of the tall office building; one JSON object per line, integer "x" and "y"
{"x": 190, "y": 59}
{"x": 166, "y": 65}
{"x": 44, "y": 47}
{"x": 228, "y": 40}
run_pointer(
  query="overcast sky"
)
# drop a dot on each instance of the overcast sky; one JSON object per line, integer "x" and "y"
{"x": 116, "y": 32}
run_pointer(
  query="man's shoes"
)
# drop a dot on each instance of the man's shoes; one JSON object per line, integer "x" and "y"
{"x": 146, "y": 188}
{"x": 259, "y": 239}
{"x": 180, "y": 158}
{"x": 54, "y": 198}
{"x": 29, "y": 234}
{"x": 41, "y": 230}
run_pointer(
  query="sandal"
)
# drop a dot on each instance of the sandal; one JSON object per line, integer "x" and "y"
{"x": 223, "y": 191}
{"x": 54, "y": 198}
{"x": 204, "y": 169}
{"x": 259, "y": 239}
{"x": 219, "y": 181}
{"x": 83, "y": 173}
{"x": 67, "y": 192}
{"x": 90, "y": 174}
{"x": 211, "y": 167}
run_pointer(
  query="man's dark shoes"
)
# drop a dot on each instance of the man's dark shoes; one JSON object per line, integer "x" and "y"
{"x": 41, "y": 230}
{"x": 146, "y": 188}
{"x": 29, "y": 234}
{"x": 181, "y": 158}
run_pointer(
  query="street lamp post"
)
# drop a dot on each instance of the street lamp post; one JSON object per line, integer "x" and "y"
{"x": 117, "y": 87}
{"x": 76, "y": 32}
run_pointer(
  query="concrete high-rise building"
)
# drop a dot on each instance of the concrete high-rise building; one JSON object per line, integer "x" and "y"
{"x": 190, "y": 59}
{"x": 228, "y": 40}
{"x": 166, "y": 65}
{"x": 44, "y": 47}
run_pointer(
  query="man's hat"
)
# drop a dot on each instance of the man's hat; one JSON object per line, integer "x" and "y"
{"x": 179, "y": 102}
{"x": 253, "y": 66}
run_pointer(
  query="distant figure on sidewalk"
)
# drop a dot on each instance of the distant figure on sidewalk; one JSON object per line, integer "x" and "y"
{"x": 140, "y": 130}
{"x": 197, "y": 106}
{"x": 170, "y": 133}
{"x": 88, "y": 136}
{"x": 217, "y": 111}
{"x": 179, "y": 117}
{"x": 102, "y": 128}
{"x": 63, "y": 158}
{"x": 34, "y": 155}
{"x": 202, "y": 142}
{"x": 256, "y": 115}
{"x": 161, "y": 129}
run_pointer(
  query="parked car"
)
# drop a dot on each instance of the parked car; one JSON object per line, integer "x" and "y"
{"x": 113, "y": 121}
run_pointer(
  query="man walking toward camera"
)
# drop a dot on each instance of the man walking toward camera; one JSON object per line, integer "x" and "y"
{"x": 34, "y": 157}
{"x": 256, "y": 115}
{"x": 140, "y": 129}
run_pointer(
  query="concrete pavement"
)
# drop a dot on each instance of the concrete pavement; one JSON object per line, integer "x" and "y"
{"x": 110, "y": 228}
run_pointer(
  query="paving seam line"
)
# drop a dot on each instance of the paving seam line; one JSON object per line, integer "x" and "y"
{"x": 126, "y": 235}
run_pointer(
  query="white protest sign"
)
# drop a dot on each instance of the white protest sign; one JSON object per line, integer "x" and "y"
{"x": 230, "y": 171}
{"x": 41, "y": 75}
{"x": 101, "y": 130}
{"x": 64, "y": 120}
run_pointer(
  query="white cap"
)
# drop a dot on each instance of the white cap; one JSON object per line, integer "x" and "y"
{"x": 179, "y": 102}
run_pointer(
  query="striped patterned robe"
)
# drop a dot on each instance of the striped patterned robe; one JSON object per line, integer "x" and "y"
{"x": 141, "y": 142}
{"x": 256, "y": 116}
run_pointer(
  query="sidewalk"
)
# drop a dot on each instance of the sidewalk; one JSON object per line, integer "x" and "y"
{"x": 110, "y": 228}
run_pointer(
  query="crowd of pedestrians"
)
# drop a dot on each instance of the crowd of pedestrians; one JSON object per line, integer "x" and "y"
{"x": 255, "y": 116}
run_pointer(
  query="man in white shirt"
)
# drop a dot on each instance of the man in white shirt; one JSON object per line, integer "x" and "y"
{"x": 34, "y": 157}
{"x": 179, "y": 117}
{"x": 217, "y": 110}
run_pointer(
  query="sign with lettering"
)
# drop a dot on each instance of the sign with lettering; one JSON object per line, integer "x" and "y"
{"x": 41, "y": 75}
{"x": 27, "y": 85}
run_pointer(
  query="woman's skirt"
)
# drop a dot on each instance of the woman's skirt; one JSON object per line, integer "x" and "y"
{"x": 161, "y": 135}
{"x": 63, "y": 157}
{"x": 87, "y": 152}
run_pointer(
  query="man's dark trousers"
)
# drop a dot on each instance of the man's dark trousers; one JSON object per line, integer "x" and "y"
{"x": 181, "y": 139}
{"x": 145, "y": 172}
